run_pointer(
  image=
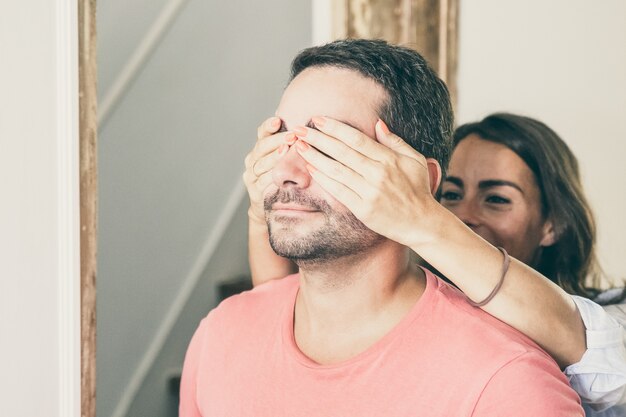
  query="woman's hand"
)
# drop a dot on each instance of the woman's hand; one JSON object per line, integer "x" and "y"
{"x": 386, "y": 183}
{"x": 270, "y": 146}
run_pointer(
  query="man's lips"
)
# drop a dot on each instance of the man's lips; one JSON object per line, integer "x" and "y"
{"x": 292, "y": 208}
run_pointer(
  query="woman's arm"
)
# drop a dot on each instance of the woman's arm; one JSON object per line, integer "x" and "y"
{"x": 270, "y": 146}
{"x": 386, "y": 184}
{"x": 527, "y": 300}
{"x": 264, "y": 263}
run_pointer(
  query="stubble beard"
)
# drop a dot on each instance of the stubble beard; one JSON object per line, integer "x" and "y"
{"x": 341, "y": 234}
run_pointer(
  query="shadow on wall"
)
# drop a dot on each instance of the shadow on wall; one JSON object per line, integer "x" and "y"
{"x": 158, "y": 395}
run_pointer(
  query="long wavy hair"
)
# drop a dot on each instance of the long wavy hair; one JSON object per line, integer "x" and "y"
{"x": 571, "y": 261}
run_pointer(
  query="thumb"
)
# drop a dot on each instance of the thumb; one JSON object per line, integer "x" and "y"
{"x": 394, "y": 142}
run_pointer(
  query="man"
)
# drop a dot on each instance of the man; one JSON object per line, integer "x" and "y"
{"x": 360, "y": 331}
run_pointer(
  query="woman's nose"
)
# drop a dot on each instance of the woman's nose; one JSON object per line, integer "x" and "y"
{"x": 467, "y": 211}
{"x": 290, "y": 171}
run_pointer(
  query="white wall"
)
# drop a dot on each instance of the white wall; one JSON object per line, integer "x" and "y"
{"x": 563, "y": 62}
{"x": 39, "y": 248}
{"x": 170, "y": 157}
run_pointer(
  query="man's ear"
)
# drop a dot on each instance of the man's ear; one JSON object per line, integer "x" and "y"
{"x": 434, "y": 174}
{"x": 549, "y": 236}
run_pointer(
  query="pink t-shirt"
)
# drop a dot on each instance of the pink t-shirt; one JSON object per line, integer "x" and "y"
{"x": 445, "y": 358}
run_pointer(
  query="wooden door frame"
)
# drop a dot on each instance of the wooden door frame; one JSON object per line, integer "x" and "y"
{"x": 88, "y": 129}
{"x": 428, "y": 26}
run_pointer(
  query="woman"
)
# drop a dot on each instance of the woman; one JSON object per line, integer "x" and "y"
{"x": 511, "y": 182}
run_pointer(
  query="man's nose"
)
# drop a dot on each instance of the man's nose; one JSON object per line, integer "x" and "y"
{"x": 290, "y": 171}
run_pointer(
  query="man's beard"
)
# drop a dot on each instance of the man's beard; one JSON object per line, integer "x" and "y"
{"x": 342, "y": 234}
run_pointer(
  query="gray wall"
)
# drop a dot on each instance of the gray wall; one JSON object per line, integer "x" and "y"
{"x": 155, "y": 398}
{"x": 169, "y": 157}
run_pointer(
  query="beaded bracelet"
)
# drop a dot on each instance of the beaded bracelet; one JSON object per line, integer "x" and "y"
{"x": 505, "y": 268}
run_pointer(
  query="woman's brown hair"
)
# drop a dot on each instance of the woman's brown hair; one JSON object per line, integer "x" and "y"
{"x": 571, "y": 261}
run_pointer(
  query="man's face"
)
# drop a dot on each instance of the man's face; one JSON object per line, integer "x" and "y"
{"x": 305, "y": 223}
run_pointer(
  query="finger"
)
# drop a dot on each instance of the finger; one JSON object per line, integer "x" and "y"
{"x": 256, "y": 190}
{"x": 263, "y": 181}
{"x": 332, "y": 169}
{"x": 268, "y": 127}
{"x": 337, "y": 150}
{"x": 395, "y": 143}
{"x": 339, "y": 191}
{"x": 352, "y": 137}
{"x": 256, "y": 185}
{"x": 267, "y": 162}
{"x": 265, "y": 146}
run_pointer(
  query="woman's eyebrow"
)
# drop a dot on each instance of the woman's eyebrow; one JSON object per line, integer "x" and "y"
{"x": 455, "y": 180}
{"x": 499, "y": 183}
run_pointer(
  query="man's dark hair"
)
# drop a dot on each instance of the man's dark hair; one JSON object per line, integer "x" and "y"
{"x": 418, "y": 107}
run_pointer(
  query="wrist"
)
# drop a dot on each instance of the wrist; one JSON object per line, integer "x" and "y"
{"x": 433, "y": 222}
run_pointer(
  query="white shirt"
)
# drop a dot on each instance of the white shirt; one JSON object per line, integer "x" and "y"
{"x": 600, "y": 376}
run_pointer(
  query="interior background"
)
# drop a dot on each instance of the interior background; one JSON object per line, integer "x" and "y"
{"x": 172, "y": 210}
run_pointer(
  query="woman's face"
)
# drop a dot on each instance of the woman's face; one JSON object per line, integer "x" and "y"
{"x": 495, "y": 193}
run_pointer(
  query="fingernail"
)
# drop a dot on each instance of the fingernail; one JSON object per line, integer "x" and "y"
{"x": 311, "y": 168}
{"x": 383, "y": 127}
{"x": 275, "y": 122}
{"x": 319, "y": 121}
{"x": 290, "y": 138}
{"x": 300, "y": 131}
{"x": 282, "y": 149}
{"x": 302, "y": 146}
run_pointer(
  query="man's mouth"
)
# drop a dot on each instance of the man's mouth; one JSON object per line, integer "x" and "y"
{"x": 290, "y": 203}
{"x": 293, "y": 208}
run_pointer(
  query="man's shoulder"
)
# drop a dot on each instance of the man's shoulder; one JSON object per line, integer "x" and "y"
{"x": 505, "y": 361}
{"x": 478, "y": 330}
{"x": 266, "y": 299}
{"x": 529, "y": 384}
{"x": 247, "y": 316}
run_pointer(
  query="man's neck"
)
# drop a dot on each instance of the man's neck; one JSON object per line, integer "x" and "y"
{"x": 345, "y": 306}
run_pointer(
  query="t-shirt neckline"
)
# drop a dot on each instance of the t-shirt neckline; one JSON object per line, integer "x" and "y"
{"x": 407, "y": 321}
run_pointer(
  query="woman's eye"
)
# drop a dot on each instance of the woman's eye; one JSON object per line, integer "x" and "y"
{"x": 451, "y": 196}
{"x": 496, "y": 199}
